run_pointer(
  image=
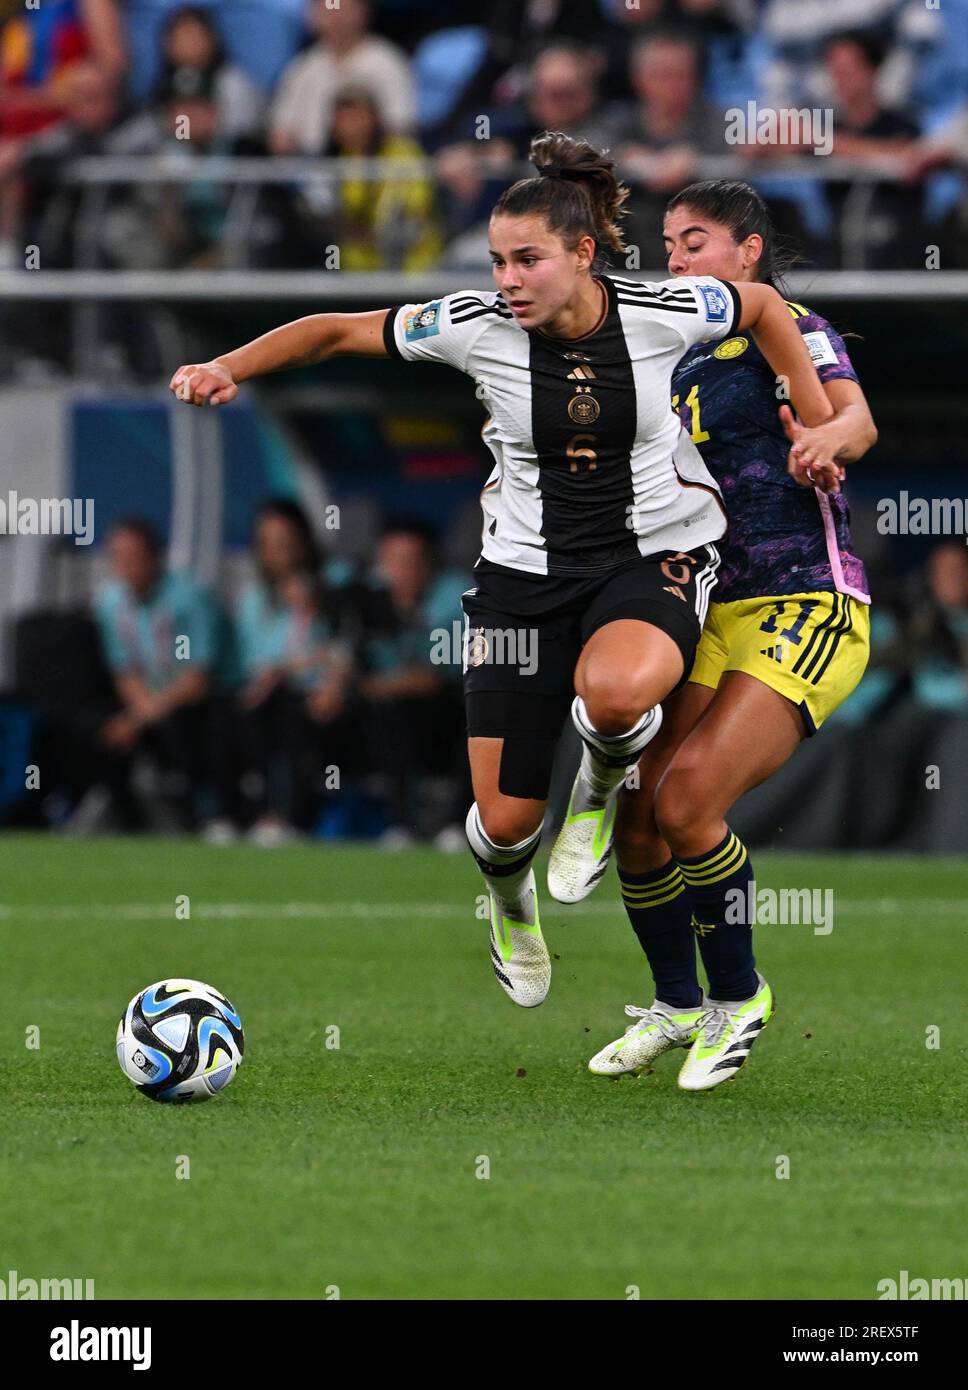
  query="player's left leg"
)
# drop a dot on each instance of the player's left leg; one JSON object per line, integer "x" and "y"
{"x": 626, "y": 668}
{"x": 640, "y": 636}
{"x": 658, "y": 905}
{"x": 748, "y": 731}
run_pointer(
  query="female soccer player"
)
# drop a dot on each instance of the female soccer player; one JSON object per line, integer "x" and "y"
{"x": 785, "y": 642}
{"x": 600, "y": 520}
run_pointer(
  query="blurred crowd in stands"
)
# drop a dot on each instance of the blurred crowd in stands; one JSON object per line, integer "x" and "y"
{"x": 323, "y": 699}
{"x": 453, "y": 94}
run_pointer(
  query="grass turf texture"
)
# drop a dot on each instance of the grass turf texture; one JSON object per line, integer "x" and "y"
{"x": 356, "y": 1167}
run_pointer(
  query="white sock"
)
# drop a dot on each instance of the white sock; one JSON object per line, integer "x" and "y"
{"x": 606, "y": 758}
{"x": 504, "y": 868}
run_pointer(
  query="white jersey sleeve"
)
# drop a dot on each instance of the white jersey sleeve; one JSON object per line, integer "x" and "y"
{"x": 445, "y": 330}
{"x": 701, "y": 308}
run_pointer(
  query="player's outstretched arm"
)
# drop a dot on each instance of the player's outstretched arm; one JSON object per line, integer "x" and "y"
{"x": 767, "y": 317}
{"x": 302, "y": 343}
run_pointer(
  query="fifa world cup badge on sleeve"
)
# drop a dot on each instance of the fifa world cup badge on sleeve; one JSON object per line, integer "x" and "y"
{"x": 424, "y": 322}
{"x": 716, "y": 304}
{"x": 821, "y": 349}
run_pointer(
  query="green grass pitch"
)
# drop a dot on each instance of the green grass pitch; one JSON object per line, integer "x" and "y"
{"x": 356, "y": 1168}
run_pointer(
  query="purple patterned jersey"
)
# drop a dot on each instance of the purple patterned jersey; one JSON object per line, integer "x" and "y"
{"x": 782, "y": 538}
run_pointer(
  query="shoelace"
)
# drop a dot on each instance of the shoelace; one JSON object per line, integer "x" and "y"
{"x": 664, "y": 1025}
{"x": 713, "y": 1024}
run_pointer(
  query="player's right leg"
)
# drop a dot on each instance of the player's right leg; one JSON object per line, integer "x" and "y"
{"x": 520, "y": 652}
{"x": 504, "y": 833}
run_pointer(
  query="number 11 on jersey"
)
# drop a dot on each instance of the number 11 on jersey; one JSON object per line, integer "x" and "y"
{"x": 699, "y": 435}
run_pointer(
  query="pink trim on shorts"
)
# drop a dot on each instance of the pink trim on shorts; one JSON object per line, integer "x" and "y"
{"x": 833, "y": 551}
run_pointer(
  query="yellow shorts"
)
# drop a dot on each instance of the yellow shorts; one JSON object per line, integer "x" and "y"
{"x": 812, "y": 648}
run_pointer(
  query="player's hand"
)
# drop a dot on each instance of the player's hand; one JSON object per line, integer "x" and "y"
{"x": 811, "y": 461}
{"x": 205, "y": 383}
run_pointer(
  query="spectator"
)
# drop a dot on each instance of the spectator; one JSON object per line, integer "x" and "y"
{"x": 794, "y": 32}
{"x": 183, "y": 222}
{"x": 72, "y": 225}
{"x": 887, "y": 224}
{"x": 35, "y": 206}
{"x": 192, "y": 45}
{"x": 177, "y": 223}
{"x": 671, "y": 123}
{"x": 659, "y": 140}
{"x": 938, "y": 631}
{"x": 518, "y": 36}
{"x": 344, "y": 52}
{"x": 562, "y": 95}
{"x": 412, "y": 702}
{"x": 627, "y": 26}
{"x": 379, "y": 223}
{"x": 261, "y": 36}
{"x": 159, "y": 634}
{"x": 294, "y": 703}
{"x": 39, "y": 47}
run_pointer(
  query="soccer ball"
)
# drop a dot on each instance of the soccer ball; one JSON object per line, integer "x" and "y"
{"x": 180, "y": 1040}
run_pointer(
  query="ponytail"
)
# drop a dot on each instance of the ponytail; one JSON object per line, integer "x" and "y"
{"x": 575, "y": 190}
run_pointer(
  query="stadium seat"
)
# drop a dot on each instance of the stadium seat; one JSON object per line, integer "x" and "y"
{"x": 443, "y": 65}
{"x": 260, "y": 35}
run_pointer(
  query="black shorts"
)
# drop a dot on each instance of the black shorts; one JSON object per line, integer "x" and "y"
{"x": 523, "y": 633}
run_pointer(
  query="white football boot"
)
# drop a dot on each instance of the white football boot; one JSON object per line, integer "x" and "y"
{"x": 519, "y": 955}
{"x": 727, "y": 1032}
{"x": 655, "y": 1030}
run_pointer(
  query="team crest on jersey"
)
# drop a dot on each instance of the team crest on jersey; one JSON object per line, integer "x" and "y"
{"x": 716, "y": 303}
{"x": 583, "y": 408}
{"x": 423, "y": 322}
{"x": 733, "y": 347}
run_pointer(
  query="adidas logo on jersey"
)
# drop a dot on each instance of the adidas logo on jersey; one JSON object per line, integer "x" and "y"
{"x": 581, "y": 374}
{"x": 777, "y": 653}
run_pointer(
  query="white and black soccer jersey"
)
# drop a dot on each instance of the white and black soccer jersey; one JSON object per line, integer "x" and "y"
{"x": 592, "y": 467}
